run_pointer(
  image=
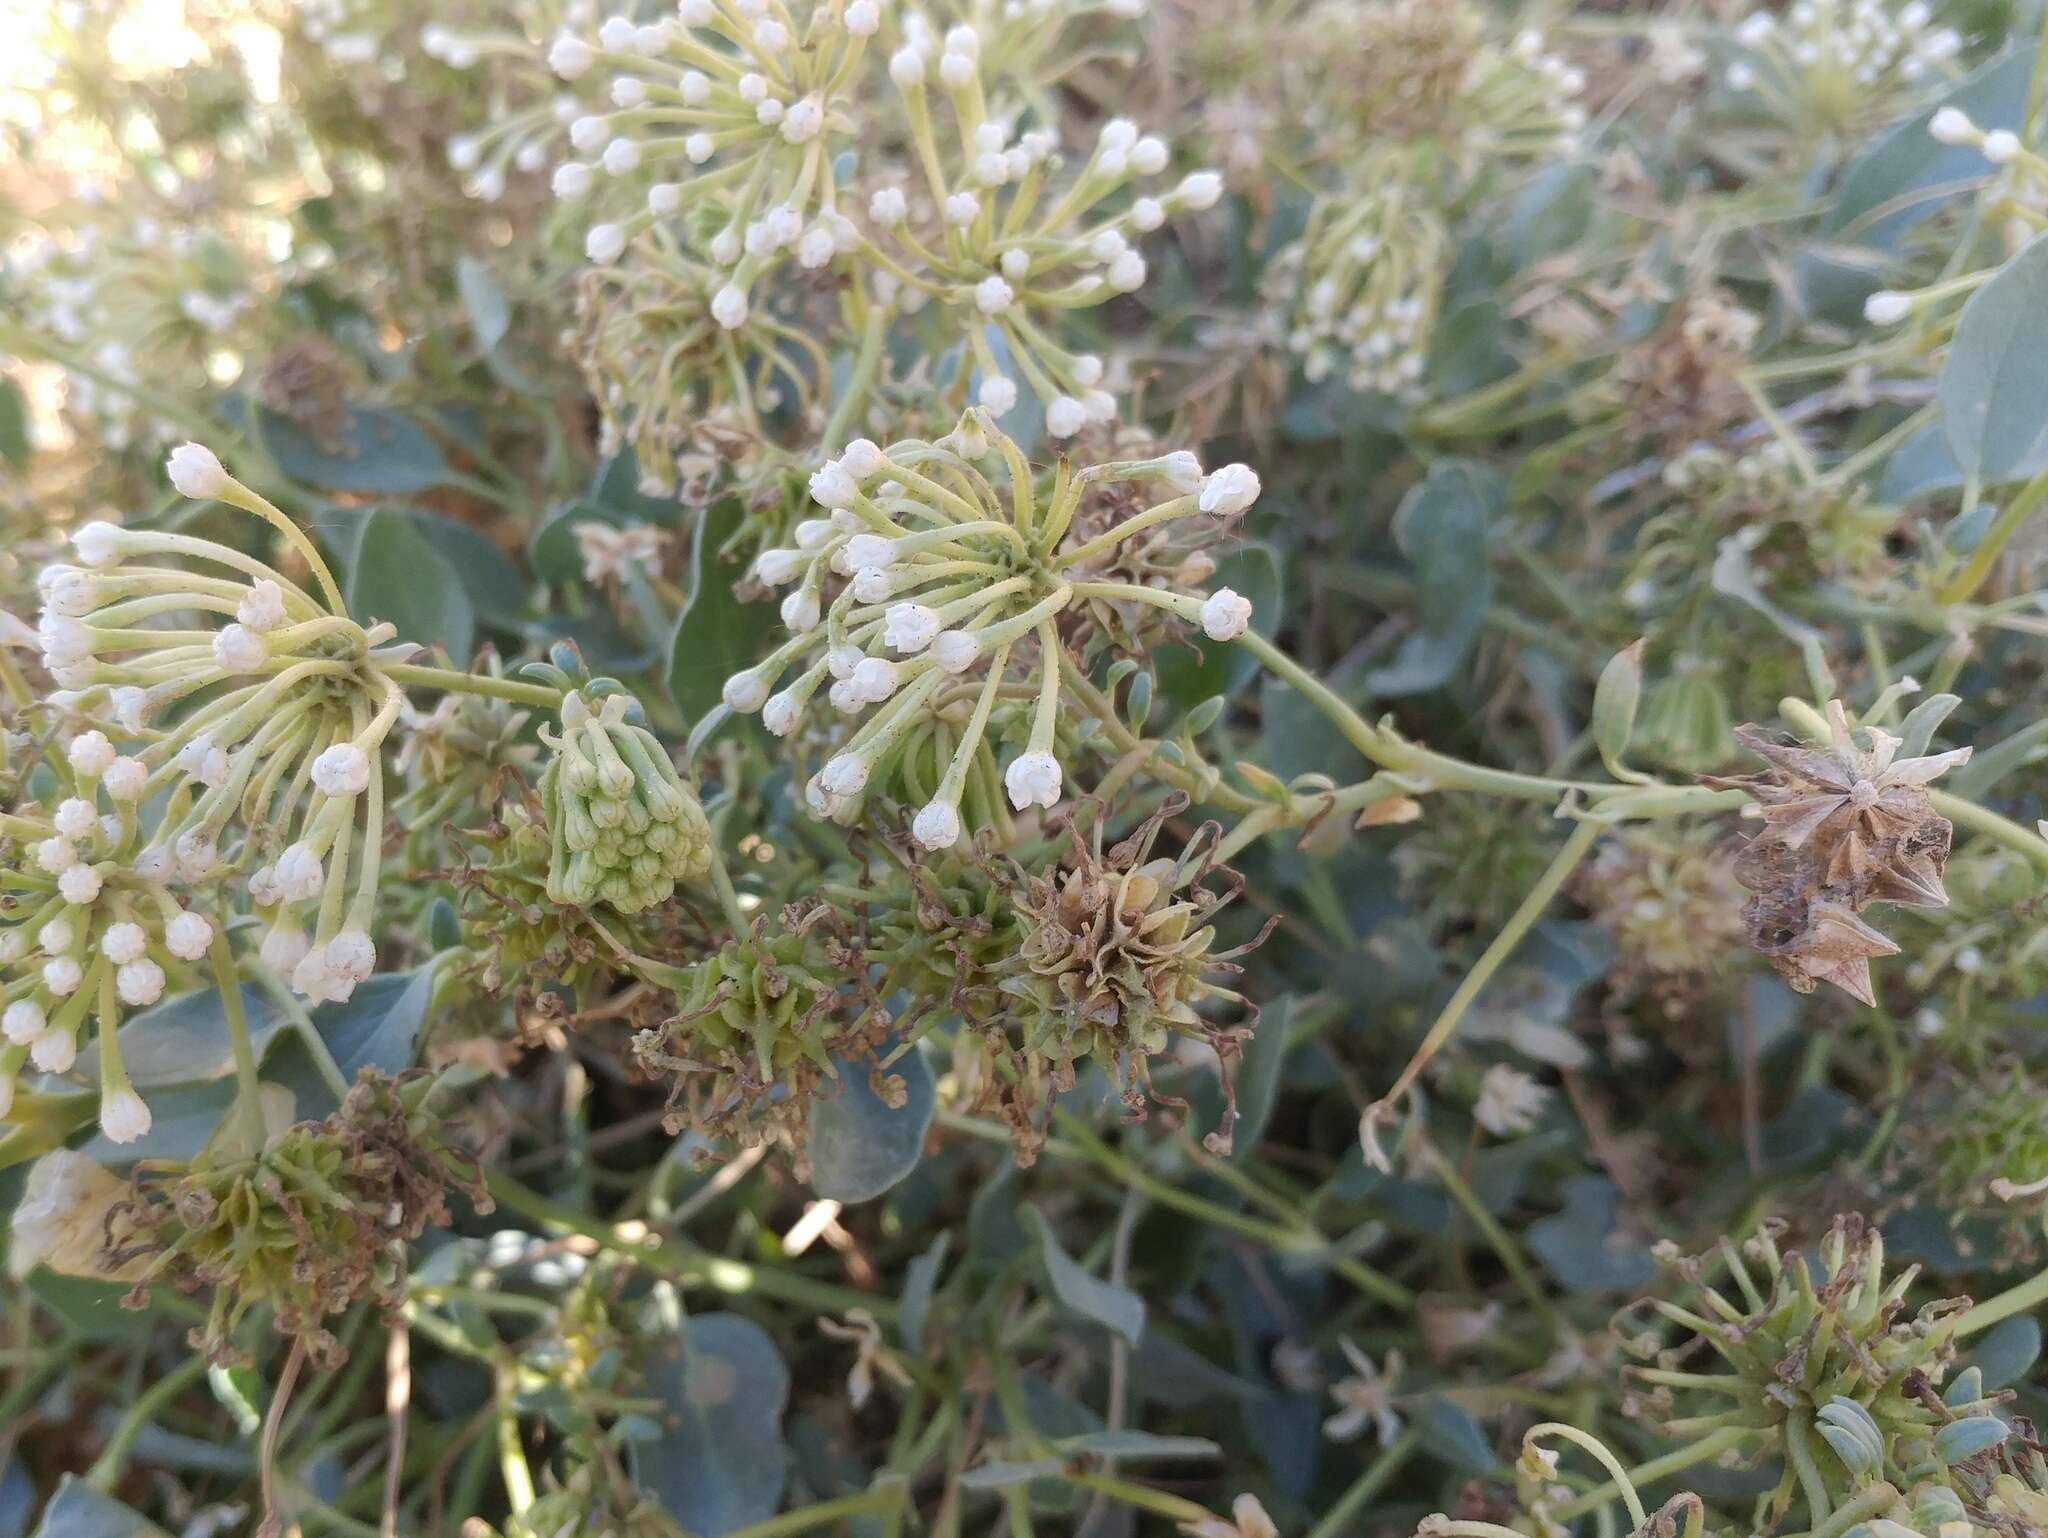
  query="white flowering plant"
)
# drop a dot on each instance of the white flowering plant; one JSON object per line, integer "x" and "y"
{"x": 1033, "y": 766}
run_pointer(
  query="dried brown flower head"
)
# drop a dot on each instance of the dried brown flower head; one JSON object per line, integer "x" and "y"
{"x": 1844, "y": 827}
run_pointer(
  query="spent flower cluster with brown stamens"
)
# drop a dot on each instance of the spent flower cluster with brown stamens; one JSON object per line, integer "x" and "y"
{"x": 1844, "y": 827}
{"x": 315, "y": 1221}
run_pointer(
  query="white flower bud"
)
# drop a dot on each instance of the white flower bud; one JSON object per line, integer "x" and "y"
{"x": 616, "y": 34}
{"x": 664, "y": 198}
{"x": 123, "y": 1116}
{"x": 590, "y": 133}
{"x": 55, "y": 856}
{"x": 873, "y": 680}
{"x": 840, "y": 661}
{"x": 628, "y": 91}
{"x": 1952, "y": 125}
{"x": 2001, "y": 146}
{"x": 90, "y": 754}
{"x": 22, "y": 1022}
{"x": 570, "y": 57}
{"x": 262, "y": 608}
{"x": 80, "y": 884}
{"x": 778, "y": 566}
{"x": 75, "y": 818}
{"x": 352, "y": 954}
{"x": 1100, "y": 406}
{"x": 863, "y": 18}
{"x": 1229, "y": 490}
{"x": 56, "y": 936}
{"x": 780, "y": 713}
{"x": 1064, "y": 416}
{"x": 961, "y": 208}
{"x": 888, "y": 207}
{"x": 125, "y": 779}
{"x": 1127, "y": 273}
{"x": 342, "y": 770}
{"x": 54, "y": 1051}
{"x": 1149, "y": 155}
{"x": 906, "y": 68}
{"x": 622, "y": 156}
{"x": 1033, "y": 779}
{"x": 188, "y": 935}
{"x": 239, "y": 649}
{"x": 1225, "y": 614}
{"x": 910, "y": 627}
{"x": 846, "y": 775}
{"x": 729, "y": 306}
{"x": 862, "y": 459}
{"x": 283, "y": 948}
{"x": 98, "y": 543}
{"x": 1200, "y": 190}
{"x": 140, "y": 983}
{"x": 800, "y": 609}
{"x": 936, "y": 826}
{"x": 956, "y": 70}
{"x": 698, "y": 148}
{"x": 955, "y": 650}
{"x": 746, "y": 692}
{"x": 1886, "y": 308}
{"x": 804, "y": 120}
{"x": 131, "y": 707}
{"x": 997, "y": 395}
{"x": 1183, "y": 472}
{"x": 62, "y": 975}
{"x": 992, "y": 295}
{"x": 604, "y": 244}
{"x": 196, "y": 472}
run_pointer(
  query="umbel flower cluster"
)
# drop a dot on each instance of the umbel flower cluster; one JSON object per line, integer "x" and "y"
{"x": 1845, "y": 826}
{"x": 272, "y": 774}
{"x": 927, "y": 595}
{"x": 732, "y": 143}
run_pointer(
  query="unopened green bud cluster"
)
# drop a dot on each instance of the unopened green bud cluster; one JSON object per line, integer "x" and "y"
{"x": 624, "y": 829}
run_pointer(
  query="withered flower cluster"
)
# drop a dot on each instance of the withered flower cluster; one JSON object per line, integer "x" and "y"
{"x": 317, "y": 1220}
{"x": 1844, "y": 827}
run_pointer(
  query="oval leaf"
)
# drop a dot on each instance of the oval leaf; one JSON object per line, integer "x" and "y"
{"x": 860, "y": 1146}
{"x": 1996, "y": 374}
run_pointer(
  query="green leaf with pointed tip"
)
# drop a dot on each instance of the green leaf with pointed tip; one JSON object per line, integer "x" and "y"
{"x": 483, "y": 299}
{"x": 1117, "y": 1308}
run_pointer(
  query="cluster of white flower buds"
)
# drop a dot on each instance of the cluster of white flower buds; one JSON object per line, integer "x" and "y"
{"x": 1366, "y": 276}
{"x": 282, "y": 708}
{"x": 725, "y": 127}
{"x": 1004, "y": 241}
{"x": 912, "y": 601}
{"x": 1796, "y": 54}
{"x": 1952, "y": 125}
{"x": 670, "y": 379}
{"x": 99, "y": 929}
{"x": 736, "y": 107}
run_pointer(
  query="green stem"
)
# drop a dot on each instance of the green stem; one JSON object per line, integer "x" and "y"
{"x": 1519, "y": 923}
{"x": 248, "y": 1087}
{"x": 865, "y": 362}
{"x": 455, "y": 681}
{"x": 686, "y": 1267}
{"x": 2013, "y": 1300}
{"x": 106, "y": 1470}
{"x": 1337, "y": 1520}
{"x": 1144, "y": 1497}
{"x": 1707, "y": 1447}
{"x": 1965, "y": 583}
{"x": 2000, "y": 830}
{"x": 804, "y": 1518}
